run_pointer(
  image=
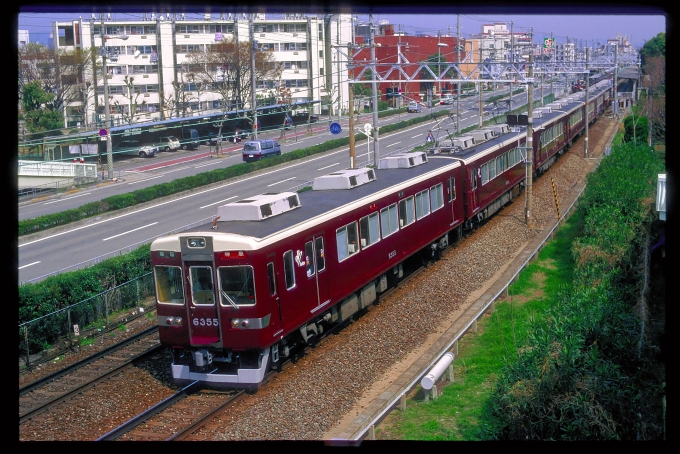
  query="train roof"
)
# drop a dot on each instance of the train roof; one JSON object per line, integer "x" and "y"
{"x": 320, "y": 205}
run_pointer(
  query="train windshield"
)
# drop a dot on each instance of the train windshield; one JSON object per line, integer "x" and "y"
{"x": 169, "y": 284}
{"x": 237, "y": 287}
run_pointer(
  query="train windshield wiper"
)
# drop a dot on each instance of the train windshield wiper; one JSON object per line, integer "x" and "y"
{"x": 231, "y": 301}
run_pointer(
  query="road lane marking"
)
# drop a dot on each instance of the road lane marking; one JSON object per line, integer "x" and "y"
{"x": 129, "y": 231}
{"x": 30, "y": 264}
{"x": 221, "y": 201}
{"x": 67, "y": 198}
{"x": 282, "y": 181}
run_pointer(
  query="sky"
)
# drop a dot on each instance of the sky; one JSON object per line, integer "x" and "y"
{"x": 582, "y": 25}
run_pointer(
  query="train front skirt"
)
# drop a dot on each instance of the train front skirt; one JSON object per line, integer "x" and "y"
{"x": 247, "y": 376}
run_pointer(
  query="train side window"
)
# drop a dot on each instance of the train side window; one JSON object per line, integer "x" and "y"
{"x": 473, "y": 178}
{"x": 422, "y": 204}
{"x": 389, "y": 220}
{"x": 320, "y": 254}
{"x": 289, "y": 269}
{"x": 309, "y": 258}
{"x": 406, "y": 212}
{"x": 485, "y": 173}
{"x": 369, "y": 228}
{"x": 452, "y": 189}
{"x": 437, "y": 196}
{"x": 169, "y": 284}
{"x": 271, "y": 278}
{"x": 346, "y": 240}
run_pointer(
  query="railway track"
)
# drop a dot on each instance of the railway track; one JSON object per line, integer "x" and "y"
{"x": 45, "y": 393}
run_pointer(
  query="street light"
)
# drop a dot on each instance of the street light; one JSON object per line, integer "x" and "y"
{"x": 107, "y": 113}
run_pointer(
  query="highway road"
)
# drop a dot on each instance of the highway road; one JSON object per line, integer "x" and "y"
{"x": 82, "y": 245}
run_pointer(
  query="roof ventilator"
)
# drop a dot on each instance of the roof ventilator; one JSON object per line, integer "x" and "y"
{"x": 259, "y": 207}
{"x": 403, "y": 160}
{"x": 344, "y": 179}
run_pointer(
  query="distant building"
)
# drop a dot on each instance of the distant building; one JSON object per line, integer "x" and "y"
{"x": 155, "y": 53}
{"x": 23, "y": 37}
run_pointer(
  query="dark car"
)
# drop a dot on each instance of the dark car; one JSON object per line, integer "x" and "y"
{"x": 413, "y": 106}
{"x": 300, "y": 117}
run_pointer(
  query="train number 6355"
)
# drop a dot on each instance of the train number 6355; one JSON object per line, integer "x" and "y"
{"x": 204, "y": 321}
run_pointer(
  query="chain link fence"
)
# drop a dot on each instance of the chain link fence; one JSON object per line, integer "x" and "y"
{"x": 47, "y": 336}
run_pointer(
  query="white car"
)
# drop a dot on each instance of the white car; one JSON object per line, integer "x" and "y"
{"x": 135, "y": 148}
{"x": 168, "y": 143}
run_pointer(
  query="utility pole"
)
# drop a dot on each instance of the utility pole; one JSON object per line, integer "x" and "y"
{"x": 253, "y": 79}
{"x": 529, "y": 146}
{"x": 585, "y": 146}
{"x": 107, "y": 112}
{"x": 480, "y": 102}
{"x": 375, "y": 96}
{"x": 458, "y": 84}
{"x": 352, "y": 149}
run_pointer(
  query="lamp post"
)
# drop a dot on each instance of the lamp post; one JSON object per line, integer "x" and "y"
{"x": 107, "y": 113}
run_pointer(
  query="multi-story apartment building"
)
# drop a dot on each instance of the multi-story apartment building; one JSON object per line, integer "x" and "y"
{"x": 498, "y": 44}
{"x": 146, "y": 60}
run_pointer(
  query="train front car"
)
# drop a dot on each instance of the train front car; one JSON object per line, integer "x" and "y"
{"x": 209, "y": 310}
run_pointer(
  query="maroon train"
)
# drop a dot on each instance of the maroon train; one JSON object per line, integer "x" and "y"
{"x": 275, "y": 271}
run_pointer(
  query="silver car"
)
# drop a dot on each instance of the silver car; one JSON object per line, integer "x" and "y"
{"x": 135, "y": 148}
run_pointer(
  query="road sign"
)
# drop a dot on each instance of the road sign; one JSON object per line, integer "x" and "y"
{"x": 103, "y": 132}
{"x": 368, "y": 128}
{"x": 335, "y": 128}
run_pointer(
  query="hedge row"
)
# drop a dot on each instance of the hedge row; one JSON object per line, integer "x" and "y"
{"x": 585, "y": 373}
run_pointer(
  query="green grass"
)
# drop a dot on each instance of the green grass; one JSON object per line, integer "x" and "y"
{"x": 461, "y": 412}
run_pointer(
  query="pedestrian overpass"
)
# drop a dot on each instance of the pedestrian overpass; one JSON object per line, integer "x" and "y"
{"x": 46, "y": 175}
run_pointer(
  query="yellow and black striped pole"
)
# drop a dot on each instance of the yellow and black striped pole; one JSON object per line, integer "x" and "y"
{"x": 557, "y": 202}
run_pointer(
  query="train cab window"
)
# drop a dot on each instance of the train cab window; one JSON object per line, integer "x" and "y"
{"x": 169, "y": 284}
{"x": 237, "y": 285}
{"x": 309, "y": 258}
{"x": 289, "y": 269}
{"x": 320, "y": 254}
{"x": 406, "y": 212}
{"x": 201, "y": 285}
{"x": 271, "y": 277}
{"x": 389, "y": 220}
{"x": 346, "y": 239}
{"x": 422, "y": 204}
{"x": 369, "y": 228}
{"x": 437, "y": 196}
{"x": 452, "y": 189}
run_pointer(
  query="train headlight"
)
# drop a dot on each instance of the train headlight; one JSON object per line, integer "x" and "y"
{"x": 239, "y": 323}
{"x": 173, "y": 321}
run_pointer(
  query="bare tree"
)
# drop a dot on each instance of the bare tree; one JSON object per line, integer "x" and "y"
{"x": 226, "y": 68}
{"x": 133, "y": 108}
{"x": 61, "y": 73}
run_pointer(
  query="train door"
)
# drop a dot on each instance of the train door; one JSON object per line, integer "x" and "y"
{"x": 203, "y": 315}
{"x": 451, "y": 197}
{"x": 473, "y": 196}
{"x": 272, "y": 285}
{"x": 315, "y": 265}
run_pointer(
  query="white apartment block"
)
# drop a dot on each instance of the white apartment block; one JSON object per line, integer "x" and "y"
{"x": 155, "y": 51}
